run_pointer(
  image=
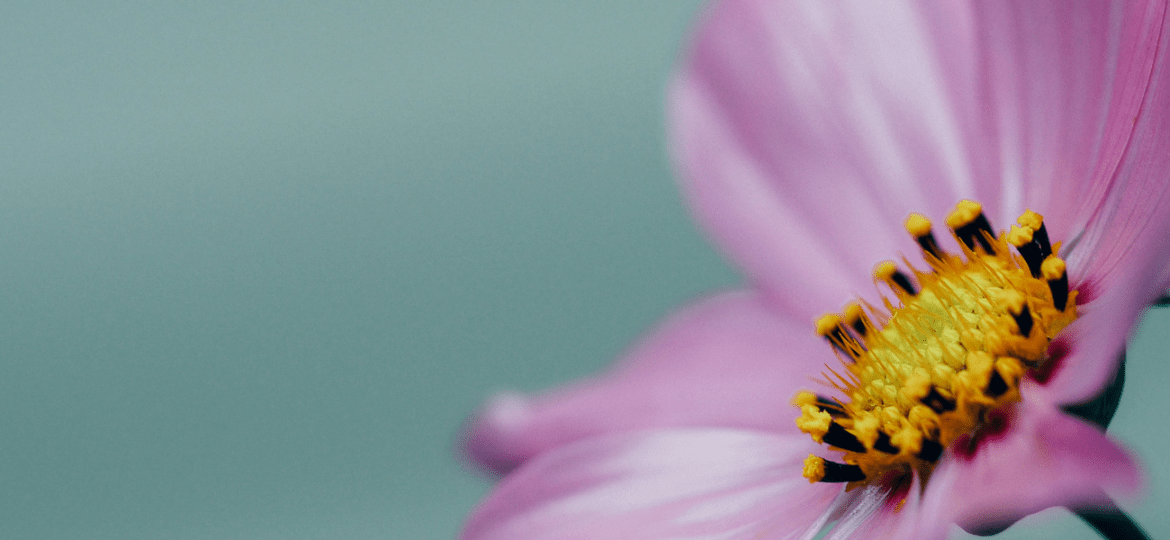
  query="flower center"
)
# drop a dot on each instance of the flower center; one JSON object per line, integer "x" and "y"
{"x": 933, "y": 369}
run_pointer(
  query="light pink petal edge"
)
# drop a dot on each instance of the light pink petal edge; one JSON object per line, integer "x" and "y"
{"x": 661, "y": 484}
{"x": 725, "y": 361}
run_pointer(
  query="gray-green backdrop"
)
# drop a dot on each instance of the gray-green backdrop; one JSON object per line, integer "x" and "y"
{"x": 259, "y": 259}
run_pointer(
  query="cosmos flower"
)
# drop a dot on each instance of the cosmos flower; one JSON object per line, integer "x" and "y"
{"x": 805, "y": 134}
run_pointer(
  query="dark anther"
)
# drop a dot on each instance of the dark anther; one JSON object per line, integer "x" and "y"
{"x": 837, "y": 436}
{"x": 840, "y": 472}
{"x": 1040, "y": 237}
{"x": 979, "y": 230}
{"x": 1024, "y": 321}
{"x": 931, "y": 450}
{"x": 830, "y": 406}
{"x": 1162, "y": 301}
{"x": 858, "y": 326}
{"x": 883, "y": 444}
{"x": 1033, "y": 254}
{"x": 844, "y": 342}
{"x": 1059, "y": 288}
{"x": 903, "y": 283}
{"x": 854, "y": 317}
{"x": 996, "y": 386}
{"x": 937, "y": 402}
{"x": 929, "y": 246}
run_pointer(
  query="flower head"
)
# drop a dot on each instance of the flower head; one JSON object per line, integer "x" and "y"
{"x": 806, "y": 133}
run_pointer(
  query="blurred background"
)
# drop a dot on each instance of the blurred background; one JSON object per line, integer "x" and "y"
{"x": 259, "y": 260}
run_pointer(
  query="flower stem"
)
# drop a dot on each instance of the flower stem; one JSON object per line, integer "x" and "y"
{"x": 1112, "y": 523}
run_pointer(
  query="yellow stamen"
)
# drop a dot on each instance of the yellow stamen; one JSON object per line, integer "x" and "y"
{"x": 917, "y": 225}
{"x": 1031, "y": 220}
{"x": 965, "y": 212}
{"x": 815, "y": 422}
{"x": 804, "y": 397}
{"x": 1053, "y": 268}
{"x": 1019, "y": 236}
{"x": 885, "y": 270}
{"x": 888, "y": 272}
{"x": 953, "y": 349}
{"x": 855, "y": 318}
{"x": 866, "y": 430}
{"x": 814, "y": 469}
{"x": 827, "y": 324}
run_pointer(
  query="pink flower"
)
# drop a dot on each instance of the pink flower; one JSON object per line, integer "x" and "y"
{"x": 805, "y": 133}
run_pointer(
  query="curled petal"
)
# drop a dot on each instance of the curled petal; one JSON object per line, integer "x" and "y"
{"x": 726, "y": 361}
{"x": 1042, "y": 459}
{"x": 699, "y": 484}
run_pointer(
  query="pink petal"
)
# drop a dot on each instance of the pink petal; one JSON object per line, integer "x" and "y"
{"x": 1127, "y": 229}
{"x": 1044, "y": 459}
{"x": 1055, "y": 94}
{"x": 726, "y": 361}
{"x": 1122, "y": 260}
{"x": 645, "y": 485}
{"x": 805, "y": 132}
{"x": 873, "y": 515}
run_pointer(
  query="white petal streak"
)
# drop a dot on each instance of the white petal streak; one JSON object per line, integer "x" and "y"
{"x": 662, "y": 484}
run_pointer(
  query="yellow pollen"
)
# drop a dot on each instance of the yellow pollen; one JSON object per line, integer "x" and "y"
{"x": 827, "y": 324}
{"x": 1012, "y": 301}
{"x": 965, "y": 212}
{"x": 917, "y": 225}
{"x": 814, "y": 469}
{"x": 867, "y": 429}
{"x": 928, "y": 367}
{"x": 814, "y": 421}
{"x": 853, "y": 314}
{"x": 1020, "y": 236}
{"x": 1053, "y": 268}
{"x": 885, "y": 270}
{"x": 1031, "y": 220}
{"x": 803, "y": 398}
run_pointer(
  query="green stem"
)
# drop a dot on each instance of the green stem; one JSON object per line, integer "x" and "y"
{"x": 1112, "y": 523}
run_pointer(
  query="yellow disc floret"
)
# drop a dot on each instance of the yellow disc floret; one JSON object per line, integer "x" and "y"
{"x": 952, "y": 350}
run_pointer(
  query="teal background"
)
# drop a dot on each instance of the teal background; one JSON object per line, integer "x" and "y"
{"x": 259, "y": 260}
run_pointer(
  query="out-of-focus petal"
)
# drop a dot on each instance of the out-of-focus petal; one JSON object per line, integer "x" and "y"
{"x": 805, "y": 132}
{"x": 790, "y": 127}
{"x": 685, "y": 483}
{"x": 729, "y": 361}
{"x": 1043, "y": 458}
